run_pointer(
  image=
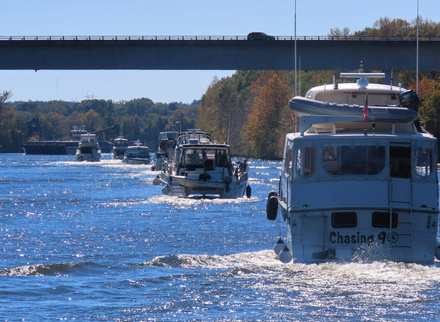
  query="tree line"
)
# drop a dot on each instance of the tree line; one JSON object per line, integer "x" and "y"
{"x": 137, "y": 119}
{"x": 249, "y": 109}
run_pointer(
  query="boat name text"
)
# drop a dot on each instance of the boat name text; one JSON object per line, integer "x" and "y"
{"x": 337, "y": 237}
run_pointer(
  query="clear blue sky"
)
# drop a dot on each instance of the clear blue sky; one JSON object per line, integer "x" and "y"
{"x": 173, "y": 17}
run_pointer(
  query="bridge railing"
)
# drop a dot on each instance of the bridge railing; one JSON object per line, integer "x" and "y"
{"x": 211, "y": 37}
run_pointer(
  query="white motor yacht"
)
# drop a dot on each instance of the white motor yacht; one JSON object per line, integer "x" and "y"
{"x": 120, "y": 147}
{"x": 203, "y": 168}
{"x": 88, "y": 148}
{"x": 137, "y": 154}
{"x": 359, "y": 177}
{"x": 165, "y": 151}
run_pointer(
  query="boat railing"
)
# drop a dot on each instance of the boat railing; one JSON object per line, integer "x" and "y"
{"x": 192, "y": 136}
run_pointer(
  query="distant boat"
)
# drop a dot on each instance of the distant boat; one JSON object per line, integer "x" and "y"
{"x": 165, "y": 151}
{"x": 88, "y": 149}
{"x": 203, "y": 168}
{"x": 120, "y": 147}
{"x": 56, "y": 147}
{"x": 137, "y": 154}
{"x": 62, "y": 147}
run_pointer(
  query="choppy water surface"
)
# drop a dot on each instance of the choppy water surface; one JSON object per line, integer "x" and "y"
{"x": 99, "y": 241}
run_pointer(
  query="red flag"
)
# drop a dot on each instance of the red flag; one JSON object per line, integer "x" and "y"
{"x": 365, "y": 109}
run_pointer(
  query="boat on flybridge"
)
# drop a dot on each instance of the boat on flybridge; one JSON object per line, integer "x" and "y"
{"x": 359, "y": 176}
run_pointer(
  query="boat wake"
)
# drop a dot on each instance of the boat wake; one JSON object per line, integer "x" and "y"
{"x": 215, "y": 261}
{"x": 378, "y": 272}
{"x": 360, "y": 282}
{"x": 63, "y": 269}
{"x": 185, "y": 203}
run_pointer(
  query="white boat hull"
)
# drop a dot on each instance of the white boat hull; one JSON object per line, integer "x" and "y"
{"x": 94, "y": 156}
{"x": 136, "y": 161}
{"x": 312, "y": 239}
{"x": 184, "y": 187}
{"x": 88, "y": 149}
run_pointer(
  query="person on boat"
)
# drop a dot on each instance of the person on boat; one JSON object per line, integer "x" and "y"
{"x": 221, "y": 158}
{"x": 195, "y": 159}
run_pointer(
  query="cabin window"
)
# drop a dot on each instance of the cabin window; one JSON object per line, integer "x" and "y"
{"x": 357, "y": 160}
{"x": 344, "y": 219}
{"x": 382, "y": 219}
{"x": 400, "y": 162}
{"x": 288, "y": 160}
{"x": 221, "y": 158}
{"x": 423, "y": 161}
{"x": 305, "y": 161}
{"x": 198, "y": 157}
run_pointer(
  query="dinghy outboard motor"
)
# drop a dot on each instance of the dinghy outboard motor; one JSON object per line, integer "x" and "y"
{"x": 409, "y": 99}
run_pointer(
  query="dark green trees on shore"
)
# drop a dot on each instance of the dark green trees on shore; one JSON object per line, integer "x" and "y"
{"x": 138, "y": 119}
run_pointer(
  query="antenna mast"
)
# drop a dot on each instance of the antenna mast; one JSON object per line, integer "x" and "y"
{"x": 294, "y": 32}
{"x": 417, "y": 50}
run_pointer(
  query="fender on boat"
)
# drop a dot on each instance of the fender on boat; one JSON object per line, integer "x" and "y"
{"x": 437, "y": 251}
{"x": 279, "y": 246}
{"x": 248, "y": 191}
{"x": 166, "y": 190}
{"x": 272, "y": 206}
{"x": 157, "y": 181}
{"x": 395, "y": 114}
{"x": 286, "y": 255}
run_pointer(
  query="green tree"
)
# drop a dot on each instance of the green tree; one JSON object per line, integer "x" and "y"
{"x": 12, "y": 127}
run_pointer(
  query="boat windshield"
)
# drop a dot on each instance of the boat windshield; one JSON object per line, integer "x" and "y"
{"x": 200, "y": 157}
{"x": 121, "y": 142}
{"x": 349, "y": 160}
{"x": 138, "y": 153}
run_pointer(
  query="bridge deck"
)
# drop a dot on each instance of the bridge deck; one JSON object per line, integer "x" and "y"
{"x": 215, "y": 53}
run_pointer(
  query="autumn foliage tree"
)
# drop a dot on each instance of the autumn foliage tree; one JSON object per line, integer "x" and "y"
{"x": 429, "y": 111}
{"x": 269, "y": 119}
{"x": 225, "y": 108}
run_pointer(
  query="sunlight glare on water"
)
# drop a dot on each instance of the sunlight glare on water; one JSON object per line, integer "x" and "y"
{"x": 98, "y": 241}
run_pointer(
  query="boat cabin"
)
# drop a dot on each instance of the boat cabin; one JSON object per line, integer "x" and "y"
{"x": 357, "y": 163}
{"x": 209, "y": 157}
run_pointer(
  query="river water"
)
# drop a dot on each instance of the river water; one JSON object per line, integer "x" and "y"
{"x": 99, "y": 241}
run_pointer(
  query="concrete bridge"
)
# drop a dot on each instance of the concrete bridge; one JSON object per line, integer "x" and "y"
{"x": 216, "y": 53}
